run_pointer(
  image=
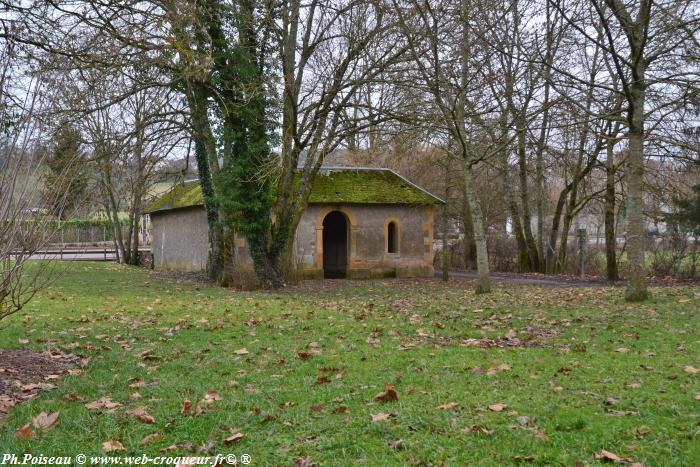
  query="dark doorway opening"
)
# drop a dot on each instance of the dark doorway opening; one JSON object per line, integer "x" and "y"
{"x": 335, "y": 245}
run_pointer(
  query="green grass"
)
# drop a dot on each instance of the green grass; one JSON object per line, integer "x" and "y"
{"x": 369, "y": 334}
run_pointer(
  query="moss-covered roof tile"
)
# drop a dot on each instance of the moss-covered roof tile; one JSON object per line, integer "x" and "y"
{"x": 331, "y": 186}
{"x": 182, "y": 195}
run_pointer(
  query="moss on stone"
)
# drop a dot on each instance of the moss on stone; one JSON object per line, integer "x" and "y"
{"x": 366, "y": 187}
{"x": 183, "y": 195}
{"x": 332, "y": 186}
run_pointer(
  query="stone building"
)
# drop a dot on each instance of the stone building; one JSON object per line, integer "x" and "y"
{"x": 359, "y": 223}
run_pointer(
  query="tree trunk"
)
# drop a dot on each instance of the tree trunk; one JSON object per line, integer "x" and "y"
{"x": 554, "y": 232}
{"x": 637, "y": 287}
{"x": 531, "y": 246}
{"x": 483, "y": 283}
{"x": 468, "y": 246}
{"x": 445, "y": 213}
{"x": 445, "y": 258}
{"x": 610, "y": 235}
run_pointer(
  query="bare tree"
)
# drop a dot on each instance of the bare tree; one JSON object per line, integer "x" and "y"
{"x": 650, "y": 45}
{"x": 25, "y": 229}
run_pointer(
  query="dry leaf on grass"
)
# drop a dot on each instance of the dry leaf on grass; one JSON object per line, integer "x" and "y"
{"x": 24, "y": 432}
{"x": 497, "y": 407}
{"x": 477, "y": 429}
{"x": 382, "y": 417}
{"x": 242, "y": 351}
{"x": 691, "y": 369}
{"x": 341, "y": 409}
{"x": 212, "y": 396}
{"x": 449, "y": 406}
{"x": 186, "y": 407}
{"x": 137, "y": 383}
{"x": 141, "y": 414}
{"x": 111, "y": 446}
{"x": 103, "y": 403}
{"x": 622, "y": 350}
{"x": 234, "y": 438}
{"x": 304, "y": 462}
{"x": 611, "y": 456}
{"x": 45, "y": 421}
{"x": 389, "y": 395}
{"x": 151, "y": 439}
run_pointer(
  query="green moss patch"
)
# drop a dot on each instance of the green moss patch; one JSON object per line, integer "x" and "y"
{"x": 348, "y": 186}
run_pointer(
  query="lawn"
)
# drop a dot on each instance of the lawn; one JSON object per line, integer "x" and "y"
{"x": 525, "y": 374}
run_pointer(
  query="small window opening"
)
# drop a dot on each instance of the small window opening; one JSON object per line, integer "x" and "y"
{"x": 392, "y": 238}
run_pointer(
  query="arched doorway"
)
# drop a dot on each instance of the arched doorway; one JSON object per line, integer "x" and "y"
{"x": 335, "y": 245}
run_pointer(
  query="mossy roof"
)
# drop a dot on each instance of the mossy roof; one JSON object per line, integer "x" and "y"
{"x": 182, "y": 195}
{"x": 331, "y": 186}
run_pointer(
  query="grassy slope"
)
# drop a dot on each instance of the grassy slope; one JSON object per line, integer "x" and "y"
{"x": 358, "y": 329}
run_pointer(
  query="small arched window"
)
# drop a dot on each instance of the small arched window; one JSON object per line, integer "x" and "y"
{"x": 392, "y": 234}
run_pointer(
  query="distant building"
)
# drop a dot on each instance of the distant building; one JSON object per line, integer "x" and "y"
{"x": 359, "y": 223}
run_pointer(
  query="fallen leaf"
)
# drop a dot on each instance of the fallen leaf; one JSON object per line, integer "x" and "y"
{"x": 448, "y": 406}
{"x": 477, "y": 429}
{"x": 137, "y": 384}
{"x": 45, "y": 421}
{"x": 135, "y": 396}
{"x": 381, "y": 416}
{"x": 212, "y": 396}
{"x": 389, "y": 395}
{"x": 24, "y": 432}
{"x": 110, "y": 446}
{"x": 610, "y": 456}
{"x": 141, "y": 414}
{"x": 396, "y": 444}
{"x": 540, "y": 435}
{"x": 511, "y": 334}
{"x": 691, "y": 369}
{"x": 103, "y": 403}
{"x": 341, "y": 409}
{"x": 697, "y": 396}
{"x": 242, "y": 351}
{"x": 622, "y": 350}
{"x": 304, "y": 355}
{"x": 322, "y": 380}
{"x": 186, "y": 407}
{"x": 237, "y": 436}
{"x": 504, "y": 367}
{"x": 151, "y": 439}
{"x": 497, "y": 407}
{"x": 304, "y": 462}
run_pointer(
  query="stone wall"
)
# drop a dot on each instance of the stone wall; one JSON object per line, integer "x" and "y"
{"x": 180, "y": 239}
{"x": 368, "y": 256}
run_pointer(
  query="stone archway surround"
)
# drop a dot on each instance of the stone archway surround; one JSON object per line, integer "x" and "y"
{"x": 353, "y": 261}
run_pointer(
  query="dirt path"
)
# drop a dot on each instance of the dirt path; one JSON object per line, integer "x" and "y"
{"x": 560, "y": 280}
